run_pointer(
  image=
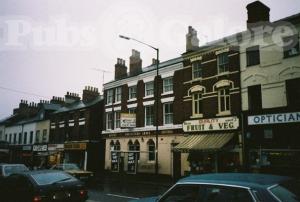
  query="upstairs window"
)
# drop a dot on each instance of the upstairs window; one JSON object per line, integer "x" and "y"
{"x": 44, "y": 138}
{"x": 168, "y": 84}
{"x": 224, "y": 100}
{"x": 291, "y": 46}
{"x": 197, "y": 69}
{"x": 37, "y": 136}
{"x": 109, "y": 96}
{"x": 149, "y": 115}
{"x": 293, "y": 92}
{"x": 117, "y": 119}
{"x": 254, "y": 98}
{"x": 253, "y": 56}
{"x": 109, "y": 120}
{"x": 118, "y": 94}
{"x": 168, "y": 113}
{"x": 197, "y": 104}
{"x": 25, "y": 138}
{"x": 223, "y": 63}
{"x": 132, "y": 92}
{"x": 149, "y": 88}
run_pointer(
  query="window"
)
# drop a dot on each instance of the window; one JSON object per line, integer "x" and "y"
{"x": 183, "y": 192}
{"x": 151, "y": 150}
{"x": 44, "y": 138}
{"x": 168, "y": 113}
{"x": 131, "y": 110}
{"x": 109, "y": 98}
{"x": 15, "y": 138}
{"x": 293, "y": 92}
{"x": 254, "y": 98}
{"x": 10, "y": 138}
{"x": 37, "y": 136}
{"x": 252, "y": 54}
{"x": 223, "y": 62}
{"x": 109, "y": 120}
{"x": 224, "y": 100}
{"x": 117, "y": 119}
{"x": 134, "y": 147}
{"x": 118, "y": 94}
{"x": 197, "y": 69}
{"x": 25, "y": 138}
{"x": 132, "y": 92}
{"x": 149, "y": 88}
{"x": 149, "y": 114}
{"x": 1, "y": 135}
{"x": 168, "y": 84}
{"x": 291, "y": 46}
{"x": 20, "y": 138}
{"x": 6, "y": 137}
{"x": 197, "y": 104}
{"x": 31, "y": 137}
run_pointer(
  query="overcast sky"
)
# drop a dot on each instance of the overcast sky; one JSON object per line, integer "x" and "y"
{"x": 33, "y": 61}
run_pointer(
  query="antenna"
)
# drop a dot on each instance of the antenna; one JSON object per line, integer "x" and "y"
{"x": 103, "y": 72}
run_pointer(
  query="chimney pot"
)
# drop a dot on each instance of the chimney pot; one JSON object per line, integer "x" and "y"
{"x": 192, "y": 41}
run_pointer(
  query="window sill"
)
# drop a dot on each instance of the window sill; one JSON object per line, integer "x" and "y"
{"x": 109, "y": 104}
{"x": 167, "y": 93}
{"x": 223, "y": 113}
{"x": 148, "y": 96}
{"x": 197, "y": 79}
{"x": 252, "y": 65}
{"x": 196, "y": 116}
{"x": 131, "y": 100}
{"x": 223, "y": 73}
{"x": 116, "y": 103}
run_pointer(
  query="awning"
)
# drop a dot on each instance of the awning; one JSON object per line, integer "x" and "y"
{"x": 205, "y": 142}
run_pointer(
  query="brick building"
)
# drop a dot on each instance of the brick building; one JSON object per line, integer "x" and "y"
{"x": 76, "y": 128}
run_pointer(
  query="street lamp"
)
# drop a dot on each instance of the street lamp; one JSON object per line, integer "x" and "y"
{"x": 156, "y": 96}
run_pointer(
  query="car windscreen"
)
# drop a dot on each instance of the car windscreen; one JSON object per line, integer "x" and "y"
{"x": 287, "y": 191}
{"x": 11, "y": 169}
{"x": 50, "y": 178}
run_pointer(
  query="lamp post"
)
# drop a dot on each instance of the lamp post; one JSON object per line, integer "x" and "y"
{"x": 156, "y": 97}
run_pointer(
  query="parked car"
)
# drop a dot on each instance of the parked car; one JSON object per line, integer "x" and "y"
{"x": 231, "y": 187}
{"x": 75, "y": 171}
{"x": 8, "y": 169}
{"x": 43, "y": 186}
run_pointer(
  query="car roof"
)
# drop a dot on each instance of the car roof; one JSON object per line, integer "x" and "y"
{"x": 250, "y": 180}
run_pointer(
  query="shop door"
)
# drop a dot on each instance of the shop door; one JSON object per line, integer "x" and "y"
{"x": 176, "y": 165}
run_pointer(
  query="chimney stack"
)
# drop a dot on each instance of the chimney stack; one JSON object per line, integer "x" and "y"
{"x": 135, "y": 63}
{"x": 71, "y": 97}
{"x": 257, "y": 13}
{"x": 57, "y": 100}
{"x": 154, "y": 61}
{"x": 192, "y": 41}
{"x": 89, "y": 93}
{"x": 120, "y": 69}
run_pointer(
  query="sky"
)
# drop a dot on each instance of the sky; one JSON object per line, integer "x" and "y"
{"x": 50, "y": 47}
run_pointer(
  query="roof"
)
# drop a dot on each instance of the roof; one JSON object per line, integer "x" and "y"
{"x": 251, "y": 180}
{"x": 78, "y": 105}
{"x": 50, "y": 106}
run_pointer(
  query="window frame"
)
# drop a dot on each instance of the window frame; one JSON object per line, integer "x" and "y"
{"x": 109, "y": 96}
{"x": 118, "y": 94}
{"x": 224, "y": 96}
{"x": 151, "y": 116}
{"x": 109, "y": 122}
{"x": 169, "y": 113}
{"x": 200, "y": 103}
{"x": 198, "y": 71}
{"x": 117, "y": 119}
{"x": 251, "y": 52}
{"x": 167, "y": 85}
{"x": 147, "y": 90}
{"x": 152, "y": 152}
{"x": 132, "y": 92}
{"x": 225, "y": 64}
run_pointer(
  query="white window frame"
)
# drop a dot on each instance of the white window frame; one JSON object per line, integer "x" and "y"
{"x": 199, "y": 99}
{"x": 117, "y": 120}
{"x": 107, "y": 121}
{"x": 167, "y": 85}
{"x": 150, "y": 89}
{"x": 131, "y": 92}
{"x": 222, "y": 95}
{"x": 152, "y": 152}
{"x": 118, "y": 95}
{"x": 225, "y": 65}
{"x": 199, "y": 65}
{"x": 148, "y": 106}
{"x": 168, "y": 114}
{"x": 109, "y": 96}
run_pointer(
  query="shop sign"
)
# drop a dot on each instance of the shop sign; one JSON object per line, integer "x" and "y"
{"x": 131, "y": 165}
{"x": 55, "y": 147}
{"x": 114, "y": 161}
{"x": 26, "y": 148}
{"x": 75, "y": 146}
{"x": 214, "y": 124}
{"x": 128, "y": 120}
{"x": 274, "y": 118}
{"x": 40, "y": 148}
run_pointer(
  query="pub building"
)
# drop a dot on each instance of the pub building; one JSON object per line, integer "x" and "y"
{"x": 211, "y": 105}
{"x": 78, "y": 125}
{"x": 270, "y": 80}
{"x": 130, "y": 118}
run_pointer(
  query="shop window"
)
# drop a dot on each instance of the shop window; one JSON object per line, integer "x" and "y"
{"x": 293, "y": 92}
{"x": 109, "y": 96}
{"x": 168, "y": 84}
{"x": 197, "y": 69}
{"x": 117, "y": 119}
{"x": 149, "y": 88}
{"x": 254, "y": 98}
{"x": 149, "y": 115}
{"x": 168, "y": 113}
{"x": 253, "y": 56}
{"x": 118, "y": 94}
{"x": 117, "y": 146}
{"x": 132, "y": 92}
{"x": 37, "y": 136}
{"x": 197, "y": 104}
{"x": 291, "y": 46}
{"x": 109, "y": 121}
{"x": 134, "y": 147}
{"x": 151, "y": 150}
{"x": 223, "y": 62}
{"x": 268, "y": 133}
{"x": 224, "y": 100}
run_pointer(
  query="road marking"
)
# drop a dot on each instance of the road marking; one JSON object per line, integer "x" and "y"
{"x": 120, "y": 196}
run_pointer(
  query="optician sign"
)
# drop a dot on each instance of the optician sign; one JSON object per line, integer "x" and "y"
{"x": 215, "y": 124}
{"x": 274, "y": 118}
{"x": 128, "y": 120}
{"x": 39, "y": 148}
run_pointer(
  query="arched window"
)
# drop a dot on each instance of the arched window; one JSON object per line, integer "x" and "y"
{"x": 117, "y": 146}
{"x": 130, "y": 146}
{"x": 151, "y": 150}
{"x": 137, "y": 149}
{"x": 196, "y": 93}
{"x": 112, "y": 145}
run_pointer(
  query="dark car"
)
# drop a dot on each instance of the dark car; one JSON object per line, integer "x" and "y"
{"x": 8, "y": 169}
{"x": 231, "y": 187}
{"x": 75, "y": 171}
{"x": 42, "y": 186}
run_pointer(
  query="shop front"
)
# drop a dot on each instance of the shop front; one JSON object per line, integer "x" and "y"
{"x": 55, "y": 154}
{"x": 273, "y": 143}
{"x": 40, "y": 156}
{"x": 212, "y": 145}
{"x": 76, "y": 152}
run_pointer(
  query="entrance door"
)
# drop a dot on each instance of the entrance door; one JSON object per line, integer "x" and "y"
{"x": 176, "y": 165}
